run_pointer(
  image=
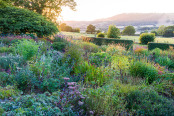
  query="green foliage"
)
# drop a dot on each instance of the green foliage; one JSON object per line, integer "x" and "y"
{"x": 25, "y": 21}
{"x": 129, "y": 30}
{"x": 169, "y": 31}
{"x": 6, "y": 50}
{"x": 5, "y": 79}
{"x": 128, "y": 44}
{"x": 148, "y": 102}
{"x": 41, "y": 104}
{"x": 59, "y": 46}
{"x": 27, "y": 48}
{"x": 147, "y": 37}
{"x": 100, "y": 58}
{"x": 154, "y": 31}
{"x": 144, "y": 70}
{"x": 92, "y": 75}
{"x": 90, "y": 29}
{"x": 100, "y": 35}
{"x": 162, "y": 46}
{"x": 164, "y": 61}
{"x": 8, "y": 92}
{"x": 89, "y": 47}
{"x": 11, "y": 61}
{"x": 160, "y": 30}
{"x": 72, "y": 55}
{"x": 113, "y": 32}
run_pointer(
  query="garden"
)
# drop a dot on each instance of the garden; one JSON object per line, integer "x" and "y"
{"x": 46, "y": 73}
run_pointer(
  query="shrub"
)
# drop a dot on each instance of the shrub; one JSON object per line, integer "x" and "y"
{"x": 6, "y": 49}
{"x": 5, "y": 79}
{"x": 143, "y": 70}
{"x": 92, "y": 75}
{"x": 27, "y": 48}
{"x": 113, "y": 32}
{"x": 148, "y": 102}
{"x": 72, "y": 55}
{"x": 59, "y": 38}
{"x": 11, "y": 61}
{"x": 147, "y": 37}
{"x": 25, "y": 21}
{"x": 100, "y": 58}
{"x": 59, "y": 46}
{"x": 7, "y": 92}
{"x": 100, "y": 35}
{"x": 89, "y": 47}
{"x": 128, "y": 44}
{"x": 164, "y": 61}
{"x": 162, "y": 46}
{"x": 114, "y": 49}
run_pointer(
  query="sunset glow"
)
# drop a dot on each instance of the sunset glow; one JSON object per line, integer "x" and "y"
{"x": 95, "y": 9}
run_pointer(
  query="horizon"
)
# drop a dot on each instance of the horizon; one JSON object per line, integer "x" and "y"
{"x": 90, "y": 10}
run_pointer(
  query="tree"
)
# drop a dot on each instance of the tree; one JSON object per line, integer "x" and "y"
{"x": 17, "y": 20}
{"x": 168, "y": 31}
{"x": 113, "y": 32}
{"x": 147, "y": 37}
{"x": 154, "y": 31}
{"x": 62, "y": 26}
{"x": 90, "y": 29}
{"x": 49, "y": 8}
{"x": 129, "y": 30}
{"x": 160, "y": 30}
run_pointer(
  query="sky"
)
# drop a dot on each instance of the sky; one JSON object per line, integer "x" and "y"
{"x": 88, "y": 10}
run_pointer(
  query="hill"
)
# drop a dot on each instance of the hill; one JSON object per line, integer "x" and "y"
{"x": 135, "y": 19}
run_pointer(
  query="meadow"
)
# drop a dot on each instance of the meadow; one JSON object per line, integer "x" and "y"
{"x": 75, "y": 78}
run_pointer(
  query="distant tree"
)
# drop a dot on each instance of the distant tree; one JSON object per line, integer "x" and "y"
{"x": 129, "y": 30}
{"x": 49, "y": 8}
{"x": 154, "y": 31}
{"x": 68, "y": 29}
{"x": 160, "y": 30}
{"x": 90, "y": 29}
{"x": 98, "y": 31}
{"x": 113, "y": 32}
{"x": 62, "y": 26}
{"x": 168, "y": 31}
{"x": 76, "y": 30}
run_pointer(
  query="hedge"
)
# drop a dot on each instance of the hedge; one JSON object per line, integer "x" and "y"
{"x": 162, "y": 46}
{"x": 128, "y": 44}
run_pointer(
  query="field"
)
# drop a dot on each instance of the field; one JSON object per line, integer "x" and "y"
{"x": 158, "y": 39}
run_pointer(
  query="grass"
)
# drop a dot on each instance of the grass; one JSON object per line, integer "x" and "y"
{"x": 158, "y": 39}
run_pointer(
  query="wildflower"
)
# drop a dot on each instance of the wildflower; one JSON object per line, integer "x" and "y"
{"x": 65, "y": 78}
{"x": 80, "y": 103}
{"x": 91, "y": 112}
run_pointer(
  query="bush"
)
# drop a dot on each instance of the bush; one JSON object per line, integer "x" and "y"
{"x": 73, "y": 55}
{"x": 59, "y": 38}
{"x": 100, "y": 35}
{"x": 9, "y": 61}
{"x": 17, "y": 21}
{"x": 144, "y": 70}
{"x": 128, "y": 44}
{"x": 100, "y": 58}
{"x": 5, "y": 79}
{"x": 147, "y": 37}
{"x": 7, "y": 92}
{"x": 162, "y": 46}
{"x": 113, "y": 32}
{"x": 6, "y": 49}
{"x": 148, "y": 102}
{"x": 89, "y": 47}
{"x": 92, "y": 75}
{"x": 164, "y": 61}
{"x": 59, "y": 46}
{"x": 27, "y": 48}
